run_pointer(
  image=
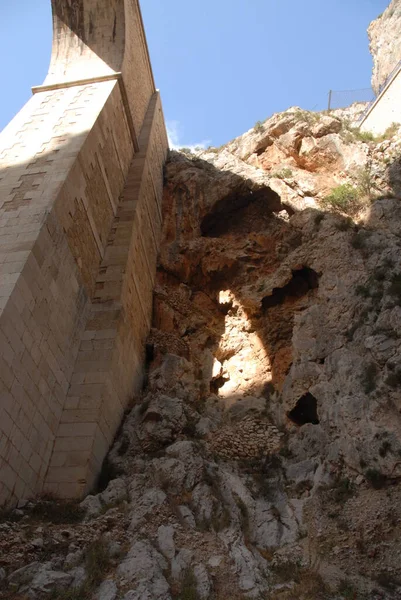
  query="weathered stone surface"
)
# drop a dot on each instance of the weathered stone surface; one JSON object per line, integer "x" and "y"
{"x": 144, "y": 566}
{"x": 115, "y": 492}
{"x": 261, "y": 457}
{"x": 92, "y": 506}
{"x": 75, "y": 247}
{"x": 385, "y": 45}
{"x": 203, "y": 584}
{"x": 24, "y": 574}
{"x": 165, "y": 540}
{"x": 45, "y": 580}
{"x": 181, "y": 563}
{"x": 106, "y": 591}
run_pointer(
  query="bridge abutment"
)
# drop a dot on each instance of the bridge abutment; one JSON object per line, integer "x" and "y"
{"x": 80, "y": 190}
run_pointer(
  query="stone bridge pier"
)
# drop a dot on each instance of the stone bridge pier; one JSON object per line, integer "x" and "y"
{"x": 81, "y": 174}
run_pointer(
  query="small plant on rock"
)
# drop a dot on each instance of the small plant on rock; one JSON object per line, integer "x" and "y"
{"x": 369, "y": 376}
{"x": 347, "y": 590}
{"x": 395, "y": 287}
{"x": 186, "y": 150}
{"x": 259, "y": 127}
{"x": 344, "y": 223}
{"x": 188, "y": 589}
{"x": 318, "y": 218}
{"x": 352, "y": 134}
{"x": 284, "y": 173}
{"x": 365, "y": 182}
{"x": 388, "y": 581}
{"x": 394, "y": 379}
{"x": 56, "y": 510}
{"x": 97, "y": 564}
{"x": 375, "y": 478}
{"x": 308, "y": 116}
{"x": 389, "y": 133}
{"x": 343, "y": 489}
{"x": 343, "y": 198}
{"x": 385, "y": 448}
{"x": 360, "y": 241}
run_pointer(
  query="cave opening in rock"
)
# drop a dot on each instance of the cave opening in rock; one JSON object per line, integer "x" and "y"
{"x": 302, "y": 280}
{"x": 228, "y": 211}
{"x": 305, "y": 411}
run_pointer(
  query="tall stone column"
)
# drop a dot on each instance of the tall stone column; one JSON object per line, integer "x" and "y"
{"x": 67, "y": 165}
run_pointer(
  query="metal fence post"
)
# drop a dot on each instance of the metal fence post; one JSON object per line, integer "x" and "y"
{"x": 330, "y": 92}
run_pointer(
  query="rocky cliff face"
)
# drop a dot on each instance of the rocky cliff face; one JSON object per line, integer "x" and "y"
{"x": 385, "y": 43}
{"x": 263, "y": 459}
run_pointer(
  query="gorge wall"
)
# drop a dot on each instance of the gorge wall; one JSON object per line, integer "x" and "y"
{"x": 262, "y": 455}
{"x": 81, "y": 184}
{"x": 386, "y": 79}
{"x": 385, "y": 45}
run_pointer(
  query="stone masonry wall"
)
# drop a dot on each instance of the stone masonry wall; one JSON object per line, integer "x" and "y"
{"x": 386, "y": 110}
{"x": 66, "y": 234}
{"x": 109, "y": 365}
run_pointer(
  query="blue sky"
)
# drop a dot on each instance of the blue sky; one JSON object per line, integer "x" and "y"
{"x": 221, "y": 65}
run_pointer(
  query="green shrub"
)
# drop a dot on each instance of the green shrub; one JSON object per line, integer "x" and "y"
{"x": 362, "y": 290}
{"x": 347, "y": 590}
{"x": 287, "y": 571}
{"x": 351, "y": 133}
{"x": 379, "y": 274}
{"x": 307, "y": 116}
{"x": 318, "y": 218}
{"x": 375, "y": 478}
{"x": 188, "y": 589}
{"x": 364, "y": 136}
{"x": 243, "y": 509}
{"x": 55, "y": 510}
{"x": 395, "y": 287}
{"x": 388, "y": 581}
{"x": 259, "y": 127}
{"x": 365, "y": 182}
{"x": 343, "y": 489}
{"x": 389, "y": 133}
{"x": 343, "y": 198}
{"x": 344, "y": 224}
{"x": 285, "y": 173}
{"x": 359, "y": 241}
{"x": 97, "y": 564}
{"x": 369, "y": 378}
{"x": 394, "y": 379}
{"x": 385, "y": 448}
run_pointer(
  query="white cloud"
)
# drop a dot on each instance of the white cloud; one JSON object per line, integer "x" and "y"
{"x": 175, "y": 140}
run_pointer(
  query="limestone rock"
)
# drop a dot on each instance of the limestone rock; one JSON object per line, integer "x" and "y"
{"x": 115, "y": 492}
{"x": 165, "y": 540}
{"x": 181, "y": 563}
{"x": 144, "y": 566}
{"x": 187, "y": 516}
{"x": 326, "y": 125}
{"x": 92, "y": 506}
{"x": 79, "y": 577}
{"x": 45, "y": 580}
{"x": 24, "y": 574}
{"x": 162, "y": 421}
{"x": 106, "y": 591}
{"x": 203, "y": 584}
{"x": 385, "y": 45}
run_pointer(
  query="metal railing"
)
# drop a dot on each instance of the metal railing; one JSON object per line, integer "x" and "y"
{"x": 344, "y": 98}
